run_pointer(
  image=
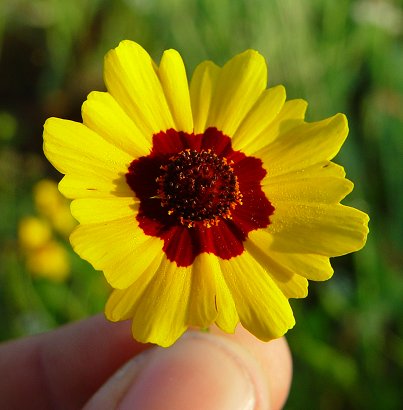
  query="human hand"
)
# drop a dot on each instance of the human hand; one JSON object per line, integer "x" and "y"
{"x": 78, "y": 364}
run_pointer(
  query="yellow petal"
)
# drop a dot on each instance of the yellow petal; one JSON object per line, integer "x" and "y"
{"x": 202, "y": 88}
{"x": 161, "y": 313}
{"x": 324, "y": 169}
{"x": 210, "y": 298}
{"x": 122, "y": 302}
{"x": 292, "y": 110}
{"x": 248, "y": 136}
{"x": 227, "y": 318}
{"x": 106, "y": 117}
{"x": 172, "y": 75}
{"x": 329, "y": 230}
{"x": 75, "y": 149}
{"x": 262, "y": 307}
{"x": 93, "y": 186}
{"x": 240, "y": 83}
{"x": 310, "y": 266}
{"x": 307, "y": 190}
{"x": 119, "y": 248}
{"x": 202, "y": 305}
{"x": 131, "y": 78}
{"x": 305, "y": 145}
{"x": 291, "y": 284}
{"x": 291, "y": 115}
{"x": 95, "y": 210}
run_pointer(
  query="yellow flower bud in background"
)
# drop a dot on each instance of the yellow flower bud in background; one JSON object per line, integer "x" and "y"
{"x": 63, "y": 222}
{"x": 33, "y": 233}
{"x": 44, "y": 256}
{"x": 47, "y": 197}
{"x": 50, "y": 261}
{"x": 52, "y": 205}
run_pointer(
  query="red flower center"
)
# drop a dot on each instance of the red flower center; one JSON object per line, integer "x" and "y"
{"x": 198, "y": 194}
{"x": 199, "y": 186}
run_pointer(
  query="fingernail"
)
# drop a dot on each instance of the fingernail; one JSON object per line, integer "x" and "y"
{"x": 197, "y": 373}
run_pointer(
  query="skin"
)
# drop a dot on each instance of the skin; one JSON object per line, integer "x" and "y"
{"x": 76, "y": 364}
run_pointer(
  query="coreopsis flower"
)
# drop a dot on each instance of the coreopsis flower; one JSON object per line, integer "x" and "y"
{"x": 43, "y": 256}
{"x": 204, "y": 204}
{"x": 50, "y": 261}
{"x": 53, "y": 206}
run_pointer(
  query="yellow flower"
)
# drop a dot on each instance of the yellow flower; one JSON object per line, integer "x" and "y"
{"x": 51, "y": 261}
{"x": 33, "y": 233}
{"x": 47, "y": 197}
{"x": 208, "y": 203}
{"x": 44, "y": 257}
{"x": 53, "y": 206}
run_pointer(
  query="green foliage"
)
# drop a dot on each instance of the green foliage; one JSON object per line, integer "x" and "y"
{"x": 343, "y": 56}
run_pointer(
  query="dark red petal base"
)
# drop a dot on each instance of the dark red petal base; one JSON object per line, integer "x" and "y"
{"x": 181, "y": 243}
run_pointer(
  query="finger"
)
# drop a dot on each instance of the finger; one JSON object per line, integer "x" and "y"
{"x": 202, "y": 371}
{"x": 63, "y": 368}
{"x": 274, "y": 359}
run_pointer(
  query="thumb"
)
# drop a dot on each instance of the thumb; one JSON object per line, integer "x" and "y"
{"x": 201, "y": 371}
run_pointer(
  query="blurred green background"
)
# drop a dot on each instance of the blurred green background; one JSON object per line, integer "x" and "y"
{"x": 341, "y": 56}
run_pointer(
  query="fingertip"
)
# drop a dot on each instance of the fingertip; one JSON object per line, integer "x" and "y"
{"x": 275, "y": 360}
{"x": 203, "y": 370}
{"x": 200, "y": 371}
{"x": 278, "y": 370}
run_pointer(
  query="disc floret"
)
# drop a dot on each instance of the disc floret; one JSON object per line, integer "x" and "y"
{"x": 198, "y": 187}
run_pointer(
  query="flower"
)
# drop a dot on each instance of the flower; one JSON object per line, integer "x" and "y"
{"x": 208, "y": 203}
{"x": 50, "y": 261}
{"x": 44, "y": 256}
{"x": 33, "y": 232}
{"x": 53, "y": 207}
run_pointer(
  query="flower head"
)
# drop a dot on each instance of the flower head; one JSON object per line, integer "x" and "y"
{"x": 208, "y": 203}
{"x": 44, "y": 256}
{"x": 53, "y": 207}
